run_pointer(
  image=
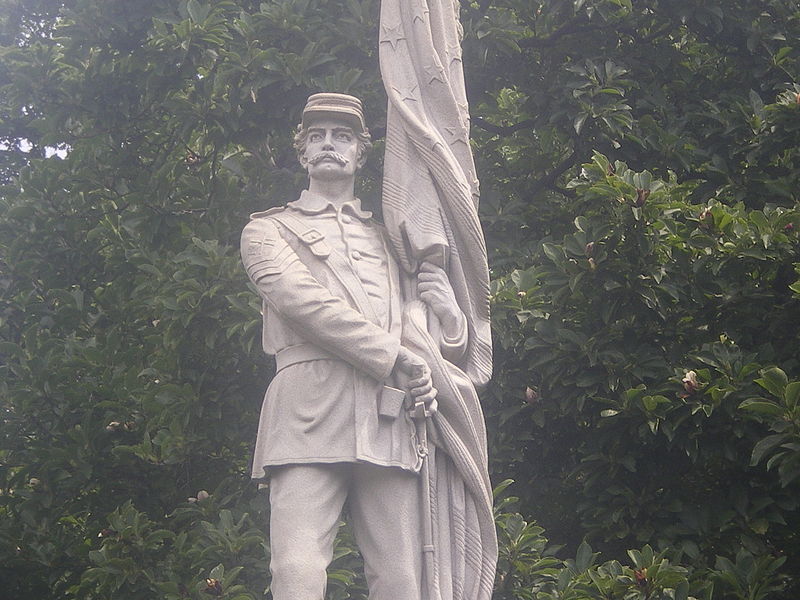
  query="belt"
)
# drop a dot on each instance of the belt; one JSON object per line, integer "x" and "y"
{"x": 291, "y": 355}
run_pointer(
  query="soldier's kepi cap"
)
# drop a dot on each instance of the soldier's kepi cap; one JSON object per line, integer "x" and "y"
{"x": 328, "y": 104}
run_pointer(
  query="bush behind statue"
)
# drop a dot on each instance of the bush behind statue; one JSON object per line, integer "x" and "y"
{"x": 640, "y": 169}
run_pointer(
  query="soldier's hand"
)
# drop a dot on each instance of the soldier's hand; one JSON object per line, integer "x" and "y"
{"x": 420, "y": 385}
{"x": 434, "y": 289}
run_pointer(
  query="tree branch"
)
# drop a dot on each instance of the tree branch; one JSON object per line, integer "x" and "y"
{"x": 570, "y": 28}
{"x": 549, "y": 180}
{"x": 503, "y": 130}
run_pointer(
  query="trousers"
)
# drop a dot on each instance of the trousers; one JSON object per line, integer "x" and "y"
{"x": 306, "y": 503}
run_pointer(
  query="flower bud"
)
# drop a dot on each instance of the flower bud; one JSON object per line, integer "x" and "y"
{"x": 690, "y": 383}
{"x": 706, "y": 219}
{"x": 213, "y": 587}
{"x": 531, "y": 395}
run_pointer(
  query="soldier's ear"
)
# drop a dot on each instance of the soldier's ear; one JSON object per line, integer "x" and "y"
{"x": 300, "y": 145}
{"x": 361, "y": 158}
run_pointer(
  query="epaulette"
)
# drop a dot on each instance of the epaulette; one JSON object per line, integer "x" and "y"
{"x": 265, "y": 213}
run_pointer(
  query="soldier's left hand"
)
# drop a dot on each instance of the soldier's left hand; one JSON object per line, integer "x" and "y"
{"x": 434, "y": 289}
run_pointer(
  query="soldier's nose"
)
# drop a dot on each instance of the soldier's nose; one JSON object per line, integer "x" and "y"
{"x": 326, "y": 138}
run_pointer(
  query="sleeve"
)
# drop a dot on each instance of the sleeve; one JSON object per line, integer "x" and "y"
{"x": 325, "y": 320}
{"x": 453, "y": 349}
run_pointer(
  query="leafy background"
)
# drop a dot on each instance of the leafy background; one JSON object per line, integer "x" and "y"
{"x": 639, "y": 164}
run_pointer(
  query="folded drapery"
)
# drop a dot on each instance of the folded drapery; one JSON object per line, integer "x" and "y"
{"x": 464, "y": 536}
{"x": 430, "y": 190}
{"x": 430, "y": 207}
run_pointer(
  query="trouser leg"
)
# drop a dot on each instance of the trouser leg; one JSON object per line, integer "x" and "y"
{"x": 385, "y": 509}
{"x": 305, "y": 507}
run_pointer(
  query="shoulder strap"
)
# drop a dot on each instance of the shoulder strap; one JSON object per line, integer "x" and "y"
{"x": 307, "y": 235}
{"x": 339, "y": 265}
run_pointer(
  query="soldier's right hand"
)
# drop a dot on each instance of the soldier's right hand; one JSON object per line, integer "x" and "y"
{"x": 420, "y": 385}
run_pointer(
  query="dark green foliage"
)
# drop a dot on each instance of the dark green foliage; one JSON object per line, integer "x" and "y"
{"x": 650, "y": 152}
{"x": 639, "y": 163}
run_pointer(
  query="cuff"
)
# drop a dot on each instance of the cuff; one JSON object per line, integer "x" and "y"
{"x": 453, "y": 347}
{"x": 384, "y": 369}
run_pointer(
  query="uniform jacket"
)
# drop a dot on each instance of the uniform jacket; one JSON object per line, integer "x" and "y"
{"x": 335, "y": 353}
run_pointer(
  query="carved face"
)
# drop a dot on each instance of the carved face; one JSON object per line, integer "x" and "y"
{"x": 331, "y": 150}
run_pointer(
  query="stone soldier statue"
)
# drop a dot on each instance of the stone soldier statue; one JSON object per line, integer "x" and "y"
{"x": 334, "y": 426}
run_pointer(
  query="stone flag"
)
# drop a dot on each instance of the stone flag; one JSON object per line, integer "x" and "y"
{"x": 430, "y": 190}
{"x": 430, "y": 207}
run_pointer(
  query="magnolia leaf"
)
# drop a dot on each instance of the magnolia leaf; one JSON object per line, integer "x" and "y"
{"x": 773, "y": 380}
{"x": 792, "y": 395}
{"x": 765, "y": 445}
{"x": 584, "y": 557}
{"x": 761, "y": 407}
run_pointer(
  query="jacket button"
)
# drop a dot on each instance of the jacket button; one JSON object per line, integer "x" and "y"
{"x": 355, "y": 255}
{"x": 347, "y": 219}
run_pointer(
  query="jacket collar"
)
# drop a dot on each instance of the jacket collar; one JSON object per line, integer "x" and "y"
{"x": 314, "y": 204}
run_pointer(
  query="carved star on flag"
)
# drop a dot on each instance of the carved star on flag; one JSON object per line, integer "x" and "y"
{"x": 435, "y": 73}
{"x": 393, "y": 35}
{"x": 454, "y": 51}
{"x": 420, "y": 10}
{"x": 406, "y": 94}
{"x": 456, "y": 134}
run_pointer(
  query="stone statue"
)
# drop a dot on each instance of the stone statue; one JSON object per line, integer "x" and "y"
{"x": 335, "y": 425}
{"x": 381, "y": 337}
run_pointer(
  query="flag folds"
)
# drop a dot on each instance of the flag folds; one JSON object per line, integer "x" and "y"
{"x": 430, "y": 207}
{"x": 430, "y": 189}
